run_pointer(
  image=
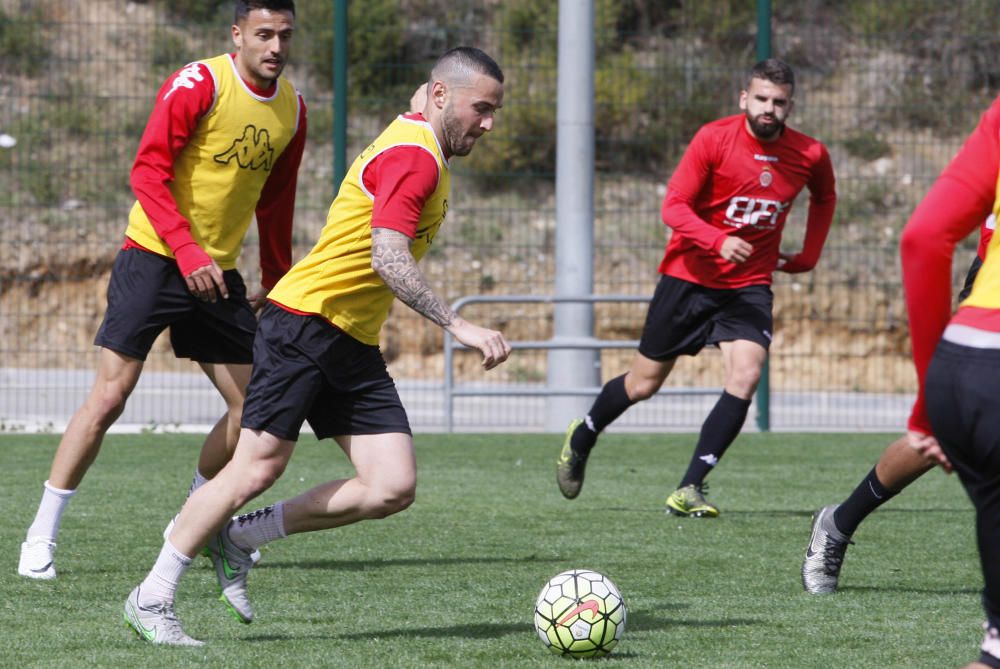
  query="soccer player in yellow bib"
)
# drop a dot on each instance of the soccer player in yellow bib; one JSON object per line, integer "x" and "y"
{"x": 316, "y": 353}
{"x": 223, "y": 144}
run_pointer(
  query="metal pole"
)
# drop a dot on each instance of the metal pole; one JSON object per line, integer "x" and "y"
{"x": 339, "y": 93}
{"x": 574, "y": 260}
{"x": 764, "y": 387}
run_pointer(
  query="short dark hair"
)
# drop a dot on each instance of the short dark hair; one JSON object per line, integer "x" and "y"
{"x": 773, "y": 70}
{"x": 243, "y": 7}
{"x": 470, "y": 58}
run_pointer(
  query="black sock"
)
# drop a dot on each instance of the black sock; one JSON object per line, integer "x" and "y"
{"x": 724, "y": 422}
{"x": 868, "y": 496}
{"x": 609, "y": 405}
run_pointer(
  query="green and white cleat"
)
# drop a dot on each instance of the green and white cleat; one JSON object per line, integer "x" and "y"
{"x": 255, "y": 556}
{"x": 156, "y": 622}
{"x": 824, "y": 554}
{"x": 690, "y": 502}
{"x": 37, "y": 559}
{"x": 232, "y": 564}
{"x": 571, "y": 465}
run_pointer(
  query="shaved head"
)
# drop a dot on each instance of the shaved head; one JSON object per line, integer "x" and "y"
{"x": 460, "y": 66}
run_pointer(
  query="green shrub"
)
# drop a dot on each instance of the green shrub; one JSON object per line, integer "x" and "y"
{"x": 22, "y": 45}
{"x": 867, "y": 145}
{"x": 376, "y": 46}
{"x": 199, "y": 11}
{"x": 170, "y": 50}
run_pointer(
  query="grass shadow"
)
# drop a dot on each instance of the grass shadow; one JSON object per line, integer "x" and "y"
{"x": 365, "y": 565}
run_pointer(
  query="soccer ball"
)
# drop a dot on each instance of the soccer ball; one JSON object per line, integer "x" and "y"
{"x": 580, "y": 613}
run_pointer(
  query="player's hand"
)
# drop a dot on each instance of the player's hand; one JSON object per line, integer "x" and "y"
{"x": 928, "y": 446}
{"x": 793, "y": 263}
{"x": 258, "y": 300}
{"x": 490, "y": 343}
{"x": 735, "y": 249}
{"x": 419, "y": 99}
{"x": 206, "y": 283}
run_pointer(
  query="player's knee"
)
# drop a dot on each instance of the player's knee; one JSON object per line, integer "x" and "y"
{"x": 234, "y": 411}
{"x": 743, "y": 382}
{"x": 262, "y": 475}
{"x": 389, "y": 500}
{"x": 642, "y": 389}
{"x": 107, "y": 405}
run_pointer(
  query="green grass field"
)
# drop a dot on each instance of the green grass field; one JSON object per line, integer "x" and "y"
{"x": 451, "y": 581}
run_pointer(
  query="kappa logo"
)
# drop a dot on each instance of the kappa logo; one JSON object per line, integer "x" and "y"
{"x": 186, "y": 78}
{"x": 591, "y": 606}
{"x": 252, "y": 151}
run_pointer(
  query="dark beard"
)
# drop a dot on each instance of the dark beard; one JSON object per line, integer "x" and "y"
{"x": 453, "y": 135}
{"x": 765, "y": 131}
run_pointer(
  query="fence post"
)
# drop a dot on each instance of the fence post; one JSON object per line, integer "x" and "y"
{"x": 764, "y": 387}
{"x": 574, "y": 257}
{"x": 339, "y": 93}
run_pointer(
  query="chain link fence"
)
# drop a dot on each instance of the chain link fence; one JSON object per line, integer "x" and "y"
{"x": 891, "y": 87}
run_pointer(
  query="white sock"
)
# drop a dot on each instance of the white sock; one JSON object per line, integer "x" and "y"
{"x": 162, "y": 581}
{"x": 50, "y": 511}
{"x": 197, "y": 482}
{"x": 252, "y": 530}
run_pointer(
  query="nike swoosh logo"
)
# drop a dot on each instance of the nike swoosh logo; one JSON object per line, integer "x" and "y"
{"x": 148, "y": 632}
{"x": 226, "y": 568}
{"x": 594, "y": 609}
{"x": 41, "y": 569}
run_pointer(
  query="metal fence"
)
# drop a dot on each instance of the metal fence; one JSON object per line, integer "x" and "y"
{"x": 891, "y": 87}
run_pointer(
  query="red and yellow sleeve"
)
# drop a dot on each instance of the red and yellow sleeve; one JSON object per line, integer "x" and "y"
{"x": 181, "y": 102}
{"x": 401, "y": 179}
{"x": 276, "y": 207}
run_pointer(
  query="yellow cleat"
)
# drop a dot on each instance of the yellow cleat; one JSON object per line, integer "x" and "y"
{"x": 690, "y": 502}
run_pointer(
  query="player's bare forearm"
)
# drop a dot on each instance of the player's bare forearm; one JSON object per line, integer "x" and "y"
{"x": 393, "y": 261}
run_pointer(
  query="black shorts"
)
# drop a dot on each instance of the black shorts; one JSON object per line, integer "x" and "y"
{"x": 961, "y": 389}
{"x": 685, "y": 317}
{"x": 147, "y": 294}
{"x": 306, "y": 369}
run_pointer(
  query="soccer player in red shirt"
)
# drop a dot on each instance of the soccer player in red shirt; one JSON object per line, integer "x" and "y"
{"x": 727, "y": 203}
{"x": 955, "y": 419}
{"x": 898, "y": 466}
{"x": 223, "y": 144}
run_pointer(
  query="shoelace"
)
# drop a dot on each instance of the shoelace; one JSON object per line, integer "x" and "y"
{"x": 164, "y": 609}
{"x": 833, "y": 555}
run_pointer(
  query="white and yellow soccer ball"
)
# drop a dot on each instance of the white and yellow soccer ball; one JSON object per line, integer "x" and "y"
{"x": 580, "y": 613}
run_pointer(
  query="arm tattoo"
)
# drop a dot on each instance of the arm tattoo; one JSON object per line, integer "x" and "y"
{"x": 392, "y": 260}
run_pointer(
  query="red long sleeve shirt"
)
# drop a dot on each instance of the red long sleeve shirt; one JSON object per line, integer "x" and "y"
{"x": 964, "y": 195}
{"x": 729, "y": 183}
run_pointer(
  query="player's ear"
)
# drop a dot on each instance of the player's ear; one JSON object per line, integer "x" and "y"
{"x": 439, "y": 94}
{"x": 237, "y": 36}
{"x": 743, "y": 99}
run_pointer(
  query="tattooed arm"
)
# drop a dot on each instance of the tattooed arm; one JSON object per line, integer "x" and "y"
{"x": 393, "y": 261}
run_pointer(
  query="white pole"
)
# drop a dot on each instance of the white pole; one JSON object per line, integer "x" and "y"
{"x": 574, "y": 261}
